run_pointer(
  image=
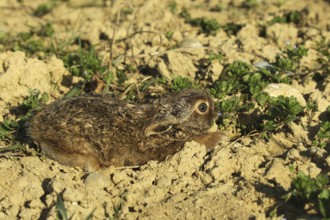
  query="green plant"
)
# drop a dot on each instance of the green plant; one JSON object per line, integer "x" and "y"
{"x": 323, "y": 46}
{"x": 207, "y": 26}
{"x": 312, "y": 106}
{"x": 86, "y": 64}
{"x": 60, "y": 209}
{"x": 229, "y": 105}
{"x": 7, "y": 128}
{"x": 108, "y": 77}
{"x": 313, "y": 191}
{"x": 219, "y": 56}
{"x": 296, "y": 53}
{"x": 323, "y": 71}
{"x": 218, "y": 7}
{"x": 223, "y": 88}
{"x": 62, "y": 212}
{"x": 90, "y": 215}
{"x": 169, "y": 35}
{"x": 270, "y": 114}
{"x": 236, "y": 75}
{"x": 34, "y": 101}
{"x": 185, "y": 15}
{"x": 38, "y": 41}
{"x": 227, "y": 108}
{"x": 11, "y": 129}
{"x": 46, "y": 30}
{"x": 172, "y": 6}
{"x": 279, "y": 112}
{"x": 121, "y": 75}
{"x": 127, "y": 11}
{"x": 28, "y": 43}
{"x": 180, "y": 83}
{"x": 294, "y": 17}
{"x": 278, "y": 19}
{"x": 232, "y": 28}
{"x": 250, "y": 3}
{"x": 323, "y": 135}
{"x": 117, "y": 211}
{"x": 45, "y": 8}
{"x": 289, "y": 61}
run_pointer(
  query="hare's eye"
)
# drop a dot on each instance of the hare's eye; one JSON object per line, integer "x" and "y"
{"x": 202, "y": 107}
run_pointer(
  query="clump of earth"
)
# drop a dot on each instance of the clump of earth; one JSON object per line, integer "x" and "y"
{"x": 243, "y": 179}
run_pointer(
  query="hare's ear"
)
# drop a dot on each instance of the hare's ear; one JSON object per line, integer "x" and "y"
{"x": 161, "y": 122}
{"x": 169, "y": 114}
{"x": 157, "y": 128}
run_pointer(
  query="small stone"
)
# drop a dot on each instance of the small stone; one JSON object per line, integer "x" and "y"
{"x": 190, "y": 43}
{"x": 278, "y": 89}
{"x": 97, "y": 180}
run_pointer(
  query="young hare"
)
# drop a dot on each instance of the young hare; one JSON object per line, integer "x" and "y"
{"x": 93, "y": 131}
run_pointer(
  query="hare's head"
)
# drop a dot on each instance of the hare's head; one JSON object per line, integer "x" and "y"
{"x": 191, "y": 111}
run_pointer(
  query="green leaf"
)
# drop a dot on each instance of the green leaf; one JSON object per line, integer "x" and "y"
{"x": 294, "y": 106}
{"x": 90, "y": 215}
{"x": 207, "y": 26}
{"x": 10, "y": 148}
{"x": 323, "y": 206}
{"x": 262, "y": 99}
{"x": 269, "y": 126}
{"x": 7, "y": 128}
{"x": 35, "y": 99}
{"x": 324, "y": 194}
{"x": 60, "y": 208}
{"x": 229, "y": 105}
{"x": 324, "y": 130}
{"x": 73, "y": 92}
{"x": 239, "y": 68}
{"x": 287, "y": 196}
{"x": 321, "y": 180}
{"x": 216, "y": 56}
{"x": 305, "y": 184}
{"x": 180, "y": 83}
{"x": 273, "y": 213}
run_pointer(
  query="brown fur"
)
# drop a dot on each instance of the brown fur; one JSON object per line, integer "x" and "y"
{"x": 94, "y": 131}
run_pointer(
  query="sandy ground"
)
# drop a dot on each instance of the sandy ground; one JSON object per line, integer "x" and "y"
{"x": 241, "y": 180}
